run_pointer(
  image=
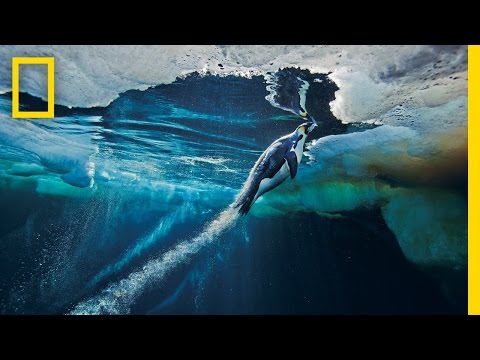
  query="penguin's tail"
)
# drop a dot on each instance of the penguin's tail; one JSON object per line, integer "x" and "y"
{"x": 243, "y": 204}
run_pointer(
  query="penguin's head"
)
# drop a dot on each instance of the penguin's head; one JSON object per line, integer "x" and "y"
{"x": 310, "y": 125}
{"x": 305, "y": 128}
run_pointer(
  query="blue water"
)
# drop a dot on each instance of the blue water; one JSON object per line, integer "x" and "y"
{"x": 93, "y": 200}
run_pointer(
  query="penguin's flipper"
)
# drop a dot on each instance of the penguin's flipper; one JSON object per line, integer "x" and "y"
{"x": 291, "y": 158}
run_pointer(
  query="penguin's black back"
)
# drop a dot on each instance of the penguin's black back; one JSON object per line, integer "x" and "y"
{"x": 267, "y": 165}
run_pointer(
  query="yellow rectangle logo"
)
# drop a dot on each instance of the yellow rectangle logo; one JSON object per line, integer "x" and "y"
{"x": 473, "y": 174}
{"x": 16, "y": 62}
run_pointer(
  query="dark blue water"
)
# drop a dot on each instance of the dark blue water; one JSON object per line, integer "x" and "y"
{"x": 166, "y": 161}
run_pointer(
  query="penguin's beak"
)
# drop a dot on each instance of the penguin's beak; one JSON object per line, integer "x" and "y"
{"x": 312, "y": 124}
{"x": 310, "y": 127}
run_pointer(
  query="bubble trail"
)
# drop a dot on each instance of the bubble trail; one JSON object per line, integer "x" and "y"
{"x": 118, "y": 297}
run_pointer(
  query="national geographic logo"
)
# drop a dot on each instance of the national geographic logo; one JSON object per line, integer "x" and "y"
{"x": 16, "y": 62}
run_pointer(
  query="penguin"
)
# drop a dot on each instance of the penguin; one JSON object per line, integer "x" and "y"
{"x": 274, "y": 166}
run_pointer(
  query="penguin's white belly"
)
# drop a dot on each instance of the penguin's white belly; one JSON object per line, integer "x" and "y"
{"x": 299, "y": 150}
{"x": 268, "y": 184}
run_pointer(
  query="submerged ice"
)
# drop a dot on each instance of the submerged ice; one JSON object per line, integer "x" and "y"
{"x": 393, "y": 168}
{"x": 150, "y": 166}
